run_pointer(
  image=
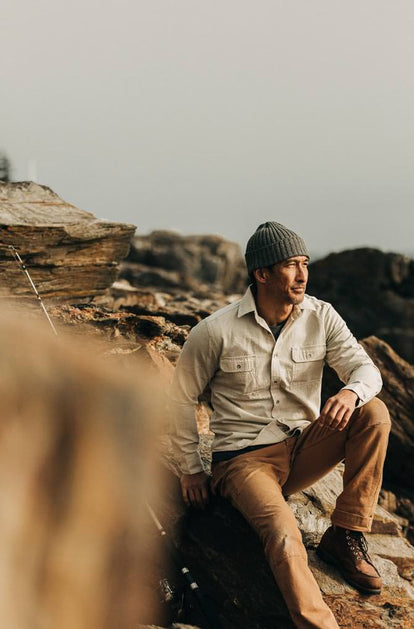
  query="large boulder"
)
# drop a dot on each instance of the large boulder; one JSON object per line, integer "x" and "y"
{"x": 171, "y": 261}
{"x": 398, "y": 394}
{"x": 227, "y": 560}
{"x": 70, "y": 254}
{"x": 373, "y": 291}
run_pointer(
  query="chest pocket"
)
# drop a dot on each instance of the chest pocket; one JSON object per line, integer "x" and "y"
{"x": 238, "y": 372}
{"x": 308, "y": 362}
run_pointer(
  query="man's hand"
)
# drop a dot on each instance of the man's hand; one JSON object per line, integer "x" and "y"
{"x": 338, "y": 409}
{"x": 195, "y": 490}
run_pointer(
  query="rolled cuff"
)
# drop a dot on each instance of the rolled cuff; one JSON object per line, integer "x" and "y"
{"x": 352, "y": 521}
{"x": 190, "y": 463}
{"x": 364, "y": 391}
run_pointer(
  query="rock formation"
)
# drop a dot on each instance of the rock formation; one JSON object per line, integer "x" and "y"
{"x": 71, "y": 254}
{"x": 373, "y": 291}
{"x": 167, "y": 260}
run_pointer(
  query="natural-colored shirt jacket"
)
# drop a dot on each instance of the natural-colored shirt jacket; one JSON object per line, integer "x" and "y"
{"x": 262, "y": 389}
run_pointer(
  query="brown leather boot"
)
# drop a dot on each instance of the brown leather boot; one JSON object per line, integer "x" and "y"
{"x": 348, "y": 551}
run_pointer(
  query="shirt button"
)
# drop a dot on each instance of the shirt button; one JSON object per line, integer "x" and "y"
{"x": 238, "y": 366}
{"x": 277, "y": 401}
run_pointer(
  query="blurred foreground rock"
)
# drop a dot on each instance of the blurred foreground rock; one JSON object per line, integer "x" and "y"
{"x": 76, "y": 470}
{"x": 70, "y": 253}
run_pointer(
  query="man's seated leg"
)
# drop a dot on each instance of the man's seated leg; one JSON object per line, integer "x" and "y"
{"x": 363, "y": 445}
{"x": 252, "y": 483}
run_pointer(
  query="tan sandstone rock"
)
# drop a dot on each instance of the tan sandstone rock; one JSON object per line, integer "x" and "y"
{"x": 70, "y": 253}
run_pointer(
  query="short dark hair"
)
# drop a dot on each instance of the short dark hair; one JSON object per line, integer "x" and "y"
{"x": 252, "y": 279}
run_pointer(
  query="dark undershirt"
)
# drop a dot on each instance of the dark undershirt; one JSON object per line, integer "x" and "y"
{"x": 276, "y": 329}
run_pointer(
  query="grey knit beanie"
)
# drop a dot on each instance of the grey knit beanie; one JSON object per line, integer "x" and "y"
{"x": 271, "y": 243}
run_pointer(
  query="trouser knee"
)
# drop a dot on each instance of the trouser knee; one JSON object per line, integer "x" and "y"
{"x": 374, "y": 413}
{"x": 280, "y": 546}
{"x": 380, "y": 412}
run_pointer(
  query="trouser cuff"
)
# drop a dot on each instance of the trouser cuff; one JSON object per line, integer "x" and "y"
{"x": 352, "y": 521}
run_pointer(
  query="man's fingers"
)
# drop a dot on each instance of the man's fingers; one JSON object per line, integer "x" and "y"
{"x": 204, "y": 495}
{"x": 194, "y": 489}
{"x": 344, "y": 421}
{"x": 192, "y": 494}
{"x": 335, "y": 415}
{"x": 331, "y": 415}
{"x": 338, "y": 410}
{"x": 184, "y": 493}
{"x": 198, "y": 497}
{"x": 328, "y": 414}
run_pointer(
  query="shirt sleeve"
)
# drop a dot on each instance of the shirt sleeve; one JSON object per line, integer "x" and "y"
{"x": 196, "y": 366}
{"x": 350, "y": 360}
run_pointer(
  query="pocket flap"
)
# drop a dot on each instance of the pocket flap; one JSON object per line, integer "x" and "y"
{"x": 309, "y": 353}
{"x": 237, "y": 364}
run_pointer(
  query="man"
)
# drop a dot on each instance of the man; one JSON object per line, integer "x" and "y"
{"x": 263, "y": 358}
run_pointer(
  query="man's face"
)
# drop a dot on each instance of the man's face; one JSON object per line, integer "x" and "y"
{"x": 286, "y": 280}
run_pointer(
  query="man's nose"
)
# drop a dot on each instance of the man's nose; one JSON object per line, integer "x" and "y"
{"x": 301, "y": 274}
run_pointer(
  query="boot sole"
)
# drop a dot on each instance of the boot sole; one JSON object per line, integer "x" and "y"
{"x": 331, "y": 560}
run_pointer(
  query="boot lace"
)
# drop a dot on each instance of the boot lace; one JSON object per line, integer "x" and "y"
{"x": 358, "y": 545}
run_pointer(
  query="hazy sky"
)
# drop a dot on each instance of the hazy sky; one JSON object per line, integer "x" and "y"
{"x": 213, "y": 116}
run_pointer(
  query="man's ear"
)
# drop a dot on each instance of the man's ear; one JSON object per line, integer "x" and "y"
{"x": 260, "y": 275}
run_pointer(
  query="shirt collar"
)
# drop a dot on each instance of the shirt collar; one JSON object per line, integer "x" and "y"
{"x": 307, "y": 304}
{"x": 247, "y": 304}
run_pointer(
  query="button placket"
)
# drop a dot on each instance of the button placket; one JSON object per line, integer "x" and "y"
{"x": 275, "y": 377}
{"x": 274, "y": 369}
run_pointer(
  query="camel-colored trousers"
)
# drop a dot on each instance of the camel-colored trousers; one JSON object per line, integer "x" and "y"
{"x": 256, "y": 483}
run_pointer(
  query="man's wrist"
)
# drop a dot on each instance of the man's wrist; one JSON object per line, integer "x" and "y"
{"x": 357, "y": 398}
